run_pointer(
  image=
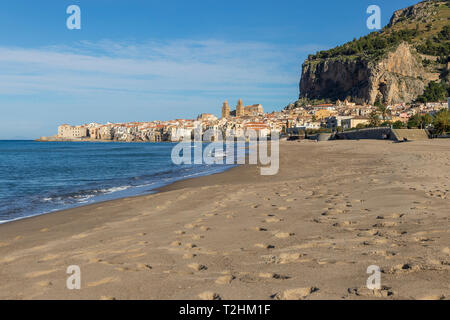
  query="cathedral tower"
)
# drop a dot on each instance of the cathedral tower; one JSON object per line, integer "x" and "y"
{"x": 240, "y": 109}
{"x": 225, "y": 110}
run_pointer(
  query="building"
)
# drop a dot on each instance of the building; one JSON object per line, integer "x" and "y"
{"x": 206, "y": 117}
{"x": 258, "y": 129}
{"x": 225, "y": 110}
{"x": 240, "y": 111}
{"x": 66, "y": 131}
{"x": 336, "y": 121}
{"x": 254, "y": 110}
{"x": 322, "y": 114}
{"x": 354, "y": 122}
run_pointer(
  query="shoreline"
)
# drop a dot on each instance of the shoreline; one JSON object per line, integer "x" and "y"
{"x": 309, "y": 232}
{"x": 164, "y": 188}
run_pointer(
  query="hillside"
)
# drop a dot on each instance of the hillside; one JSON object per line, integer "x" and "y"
{"x": 393, "y": 65}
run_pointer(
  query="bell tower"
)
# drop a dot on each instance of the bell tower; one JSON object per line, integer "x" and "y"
{"x": 225, "y": 110}
{"x": 240, "y": 109}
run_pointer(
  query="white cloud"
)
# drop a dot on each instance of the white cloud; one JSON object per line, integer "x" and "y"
{"x": 150, "y": 67}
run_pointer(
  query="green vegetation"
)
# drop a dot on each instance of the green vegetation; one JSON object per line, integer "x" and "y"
{"x": 436, "y": 91}
{"x": 382, "y": 110}
{"x": 399, "y": 125}
{"x": 373, "y": 45}
{"x": 437, "y": 124}
{"x": 437, "y": 45}
{"x": 430, "y": 36}
{"x": 303, "y": 102}
{"x": 441, "y": 122}
{"x": 374, "y": 119}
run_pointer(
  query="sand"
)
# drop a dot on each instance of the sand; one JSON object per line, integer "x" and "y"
{"x": 310, "y": 232}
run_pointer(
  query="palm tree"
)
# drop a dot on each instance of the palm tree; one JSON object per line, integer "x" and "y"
{"x": 442, "y": 121}
{"x": 383, "y": 110}
{"x": 374, "y": 119}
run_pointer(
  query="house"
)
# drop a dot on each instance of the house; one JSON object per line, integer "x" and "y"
{"x": 66, "y": 131}
{"x": 354, "y": 122}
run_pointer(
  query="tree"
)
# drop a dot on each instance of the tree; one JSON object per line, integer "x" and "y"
{"x": 374, "y": 119}
{"x": 442, "y": 121}
{"x": 383, "y": 110}
{"x": 436, "y": 91}
{"x": 360, "y": 126}
{"x": 398, "y": 125}
{"x": 427, "y": 120}
{"x": 415, "y": 121}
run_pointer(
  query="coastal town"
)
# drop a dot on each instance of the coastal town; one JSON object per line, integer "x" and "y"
{"x": 296, "y": 117}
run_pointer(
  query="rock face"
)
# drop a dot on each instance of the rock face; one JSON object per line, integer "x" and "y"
{"x": 416, "y": 13}
{"x": 399, "y": 77}
{"x": 396, "y": 74}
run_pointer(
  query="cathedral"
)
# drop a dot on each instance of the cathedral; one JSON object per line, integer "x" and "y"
{"x": 241, "y": 111}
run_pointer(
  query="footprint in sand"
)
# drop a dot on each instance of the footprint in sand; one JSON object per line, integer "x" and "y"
{"x": 226, "y": 279}
{"x": 276, "y": 276}
{"x": 197, "y": 266}
{"x": 44, "y": 284}
{"x": 264, "y": 246}
{"x": 284, "y": 235}
{"x": 289, "y": 257}
{"x": 284, "y": 258}
{"x": 260, "y": 229}
{"x": 344, "y": 223}
{"x": 210, "y": 214}
{"x": 273, "y": 220}
{"x": 208, "y": 295}
{"x": 295, "y": 294}
{"x": 189, "y": 256}
{"x": 365, "y": 292}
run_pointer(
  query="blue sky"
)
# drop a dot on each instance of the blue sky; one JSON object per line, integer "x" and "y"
{"x": 160, "y": 59}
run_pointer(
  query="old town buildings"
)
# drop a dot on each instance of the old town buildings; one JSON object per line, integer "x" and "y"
{"x": 244, "y": 121}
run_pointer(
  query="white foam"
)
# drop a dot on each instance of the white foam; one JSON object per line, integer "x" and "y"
{"x": 115, "y": 189}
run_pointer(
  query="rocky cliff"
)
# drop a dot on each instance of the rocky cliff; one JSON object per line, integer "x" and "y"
{"x": 392, "y": 66}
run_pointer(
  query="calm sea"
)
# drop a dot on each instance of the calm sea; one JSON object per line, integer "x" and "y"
{"x": 41, "y": 177}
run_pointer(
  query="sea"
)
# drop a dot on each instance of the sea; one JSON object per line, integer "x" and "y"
{"x": 42, "y": 177}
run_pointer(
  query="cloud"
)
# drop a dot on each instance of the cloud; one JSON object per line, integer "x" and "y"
{"x": 149, "y": 68}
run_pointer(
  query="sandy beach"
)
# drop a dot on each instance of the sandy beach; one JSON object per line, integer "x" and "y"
{"x": 310, "y": 232}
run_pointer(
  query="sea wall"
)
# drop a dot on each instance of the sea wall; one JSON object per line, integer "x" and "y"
{"x": 368, "y": 133}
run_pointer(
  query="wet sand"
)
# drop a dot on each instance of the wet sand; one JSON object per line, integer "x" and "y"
{"x": 309, "y": 232}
